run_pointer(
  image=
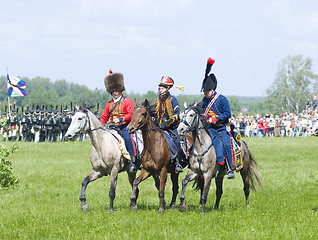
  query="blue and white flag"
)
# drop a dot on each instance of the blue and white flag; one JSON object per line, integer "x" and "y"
{"x": 15, "y": 86}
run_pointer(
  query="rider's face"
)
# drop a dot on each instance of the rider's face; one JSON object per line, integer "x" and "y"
{"x": 209, "y": 94}
{"x": 162, "y": 90}
{"x": 116, "y": 94}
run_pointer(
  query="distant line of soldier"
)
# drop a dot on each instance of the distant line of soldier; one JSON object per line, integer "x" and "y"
{"x": 36, "y": 125}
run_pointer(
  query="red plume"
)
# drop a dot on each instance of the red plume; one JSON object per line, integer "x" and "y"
{"x": 110, "y": 72}
{"x": 211, "y": 61}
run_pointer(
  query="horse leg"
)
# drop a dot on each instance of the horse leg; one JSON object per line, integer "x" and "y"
{"x": 175, "y": 188}
{"x": 219, "y": 188}
{"x": 161, "y": 194}
{"x": 157, "y": 184}
{"x": 189, "y": 177}
{"x": 132, "y": 177}
{"x": 92, "y": 176}
{"x": 157, "y": 181}
{"x": 112, "y": 190}
{"x": 133, "y": 198}
{"x": 205, "y": 191}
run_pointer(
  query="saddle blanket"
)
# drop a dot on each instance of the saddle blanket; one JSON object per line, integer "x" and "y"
{"x": 172, "y": 146}
{"x": 121, "y": 143}
{"x": 237, "y": 154}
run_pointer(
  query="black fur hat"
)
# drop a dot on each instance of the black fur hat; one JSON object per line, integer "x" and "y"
{"x": 114, "y": 82}
{"x": 209, "y": 81}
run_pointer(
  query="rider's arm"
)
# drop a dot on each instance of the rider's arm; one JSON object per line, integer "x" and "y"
{"x": 224, "y": 110}
{"x": 128, "y": 108}
{"x": 175, "y": 117}
{"x": 105, "y": 115}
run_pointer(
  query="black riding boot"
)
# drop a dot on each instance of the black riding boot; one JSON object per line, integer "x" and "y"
{"x": 230, "y": 169}
{"x": 133, "y": 167}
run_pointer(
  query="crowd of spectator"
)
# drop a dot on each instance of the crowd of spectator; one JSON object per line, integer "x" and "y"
{"x": 283, "y": 125}
{"x": 52, "y": 125}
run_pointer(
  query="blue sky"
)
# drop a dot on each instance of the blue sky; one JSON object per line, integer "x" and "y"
{"x": 79, "y": 40}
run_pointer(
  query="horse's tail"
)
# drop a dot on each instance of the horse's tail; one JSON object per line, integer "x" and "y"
{"x": 198, "y": 183}
{"x": 252, "y": 174}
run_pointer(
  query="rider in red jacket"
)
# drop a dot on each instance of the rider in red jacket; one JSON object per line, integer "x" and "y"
{"x": 118, "y": 112}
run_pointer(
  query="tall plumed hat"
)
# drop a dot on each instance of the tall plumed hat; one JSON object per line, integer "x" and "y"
{"x": 114, "y": 82}
{"x": 209, "y": 81}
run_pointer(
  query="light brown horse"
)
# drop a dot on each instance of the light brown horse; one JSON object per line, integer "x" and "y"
{"x": 155, "y": 158}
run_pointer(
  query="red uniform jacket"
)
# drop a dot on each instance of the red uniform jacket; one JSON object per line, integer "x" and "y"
{"x": 123, "y": 111}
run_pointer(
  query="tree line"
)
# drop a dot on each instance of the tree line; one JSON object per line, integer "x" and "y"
{"x": 294, "y": 83}
{"x": 46, "y": 94}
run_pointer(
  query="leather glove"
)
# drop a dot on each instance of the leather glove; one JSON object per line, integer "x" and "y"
{"x": 167, "y": 123}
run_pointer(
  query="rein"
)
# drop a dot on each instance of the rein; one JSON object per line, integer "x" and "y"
{"x": 147, "y": 120}
{"x": 194, "y": 128}
{"x": 90, "y": 126}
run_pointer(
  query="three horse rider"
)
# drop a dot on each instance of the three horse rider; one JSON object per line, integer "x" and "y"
{"x": 167, "y": 110}
{"x": 216, "y": 107}
{"x": 118, "y": 112}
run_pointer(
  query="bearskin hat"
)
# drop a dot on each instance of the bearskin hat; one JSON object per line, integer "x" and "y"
{"x": 209, "y": 81}
{"x": 114, "y": 82}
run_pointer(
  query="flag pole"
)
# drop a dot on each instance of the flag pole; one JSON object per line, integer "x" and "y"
{"x": 8, "y": 95}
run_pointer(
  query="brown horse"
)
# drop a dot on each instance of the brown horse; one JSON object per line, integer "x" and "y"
{"x": 155, "y": 158}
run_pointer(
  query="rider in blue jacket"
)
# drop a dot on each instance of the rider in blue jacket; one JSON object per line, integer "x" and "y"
{"x": 167, "y": 110}
{"x": 216, "y": 108}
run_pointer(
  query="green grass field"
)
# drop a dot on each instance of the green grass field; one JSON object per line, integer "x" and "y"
{"x": 46, "y": 204}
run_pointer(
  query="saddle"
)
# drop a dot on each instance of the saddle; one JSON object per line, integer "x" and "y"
{"x": 172, "y": 146}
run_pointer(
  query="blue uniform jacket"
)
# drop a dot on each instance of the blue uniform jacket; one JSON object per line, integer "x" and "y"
{"x": 221, "y": 110}
{"x": 168, "y": 109}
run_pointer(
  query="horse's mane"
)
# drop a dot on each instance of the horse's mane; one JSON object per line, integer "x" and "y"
{"x": 152, "y": 110}
{"x": 84, "y": 108}
{"x": 199, "y": 110}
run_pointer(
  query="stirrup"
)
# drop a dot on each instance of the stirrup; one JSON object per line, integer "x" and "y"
{"x": 132, "y": 168}
{"x": 178, "y": 168}
{"x": 230, "y": 174}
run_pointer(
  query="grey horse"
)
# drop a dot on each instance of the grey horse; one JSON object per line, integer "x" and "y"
{"x": 203, "y": 165}
{"x": 106, "y": 156}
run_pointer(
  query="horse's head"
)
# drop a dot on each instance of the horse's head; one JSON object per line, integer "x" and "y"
{"x": 190, "y": 120}
{"x": 139, "y": 118}
{"x": 80, "y": 123}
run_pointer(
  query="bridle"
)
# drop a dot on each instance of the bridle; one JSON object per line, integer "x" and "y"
{"x": 195, "y": 123}
{"x": 147, "y": 119}
{"x": 87, "y": 121}
{"x": 194, "y": 128}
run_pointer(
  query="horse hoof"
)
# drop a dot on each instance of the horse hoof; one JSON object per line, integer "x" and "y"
{"x": 183, "y": 208}
{"x": 134, "y": 208}
{"x": 172, "y": 205}
{"x": 161, "y": 210}
{"x": 84, "y": 207}
{"x": 111, "y": 210}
